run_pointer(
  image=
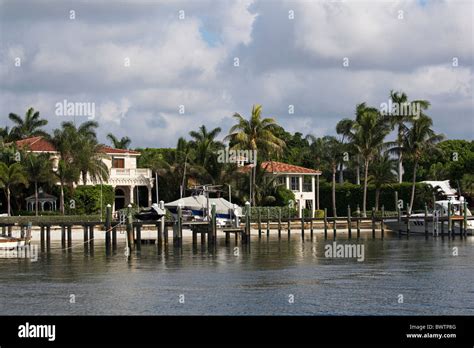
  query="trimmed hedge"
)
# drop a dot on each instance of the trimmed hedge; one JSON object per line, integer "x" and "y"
{"x": 351, "y": 194}
{"x": 87, "y": 199}
{"x": 285, "y": 211}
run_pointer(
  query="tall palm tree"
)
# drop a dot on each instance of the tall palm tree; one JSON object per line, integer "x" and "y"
{"x": 317, "y": 148}
{"x": 160, "y": 167}
{"x": 205, "y": 144}
{"x": 5, "y": 135}
{"x": 79, "y": 147}
{"x": 11, "y": 175}
{"x": 368, "y": 137}
{"x": 122, "y": 143}
{"x": 399, "y": 121}
{"x": 343, "y": 128}
{"x": 30, "y": 126}
{"x": 381, "y": 173}
{"x": 66, "y": 174}
{"x": 418, "y": 141}
{"x": 255, "y": 134}
{"x": 38, "y": 169}
{"x": 332, "y": 154}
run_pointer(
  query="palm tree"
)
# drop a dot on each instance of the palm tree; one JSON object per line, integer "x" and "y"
{"x": 160, "y": 167}
{"x": 204, "y": 144}
{"x": 79, "y": 147}
{"x": 255, "y": 134}
{"x": 382, "y": 172}
{"x": 66, "y": 174}
{"x": 123, "y": 143}
{"x": 5, "y": 135}
{"x": 332, "y": 154}
{"x": 418, "y": 141}
{"x": 343, "y": 128}
{"x": 368, "y": 137}
{"x": 11, "y": 175}
{"x": 317, "y": 148}
{"x": 38, "y": 169}
{"x": 398, "y": 121}
{"x": 30, "y": 126}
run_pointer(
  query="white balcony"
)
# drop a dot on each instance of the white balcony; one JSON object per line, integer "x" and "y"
{"x": 130, "y": 176}
{"x": 121, "y": 173}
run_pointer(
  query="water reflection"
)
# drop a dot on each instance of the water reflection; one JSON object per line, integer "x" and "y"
{"x": 246, "y": 280}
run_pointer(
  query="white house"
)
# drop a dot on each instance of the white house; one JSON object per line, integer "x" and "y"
{"x": 298, "y": 179}
{"x": 129, "y": 182}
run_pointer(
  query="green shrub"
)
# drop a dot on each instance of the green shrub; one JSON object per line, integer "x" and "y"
{"x": 319, "y": 213}
{"x": 351, "y": 194}
{"x": 283, "y": 196}
{"x": 273, "y": 211}
{"x": 87, "y": 199}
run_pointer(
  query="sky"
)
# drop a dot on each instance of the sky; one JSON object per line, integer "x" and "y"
{"x": 155, "y": 70}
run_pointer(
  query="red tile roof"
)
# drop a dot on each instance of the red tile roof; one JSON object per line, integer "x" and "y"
{"x": 280, "y": 167}
{"x": 36, "y": 144}
{"x": 40, "y": 144}
{"x": 110, "y": 150}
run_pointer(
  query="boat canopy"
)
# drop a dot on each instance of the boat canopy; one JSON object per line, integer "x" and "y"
{"x": 199, "y": 202}
{"x": 442, "y": 187}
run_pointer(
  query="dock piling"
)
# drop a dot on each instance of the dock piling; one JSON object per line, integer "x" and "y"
{"x": 325, "y": 223}
{"x": 130, "y": 228}
{"x": 349, "y": 222}
{"x": 108, "y": 224}
{"x": 279, "y": 223}
{"x": 382, "y": 224}
{"x": 373, "y": 223}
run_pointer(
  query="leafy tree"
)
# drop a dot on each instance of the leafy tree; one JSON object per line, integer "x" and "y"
{"x": 317, "y": 149}
{"x": 419, "y": 141}
{"x": 344, "y": 128}
{"x": 368, "y": 137}
{"x": 11, "y": 175}
{"x": 205, "y": 148}
{"x": 398, "y": 121}
{"x": 27, "y": 127}
{"x": 382, "y": 173}
{"x": 79, "y": 147}
{"x": 5, "y": 135}
{"x": 66, "y": 174}
{"x": 38, "y": 169}
{"x": 332, "y": 154}
{"x": 258, "y": 134}
{"x": 123, "y": 143}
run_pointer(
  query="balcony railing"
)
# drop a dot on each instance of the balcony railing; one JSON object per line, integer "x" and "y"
{"x": 130, "y": 172}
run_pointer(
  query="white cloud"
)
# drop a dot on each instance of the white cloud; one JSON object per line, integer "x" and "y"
{"x": 283, "y": 62}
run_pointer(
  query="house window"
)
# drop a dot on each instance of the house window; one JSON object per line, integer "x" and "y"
{"x": 307, "y": 184}
{"x": 280, "y": 180}
{"x": 294, "y": 183}
{"x": 118, "y": 163}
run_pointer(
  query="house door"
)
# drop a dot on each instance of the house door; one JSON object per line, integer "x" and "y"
{"x": 119, "y": 199}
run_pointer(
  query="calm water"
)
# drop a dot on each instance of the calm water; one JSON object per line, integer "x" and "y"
{"x": 255, "y": 282}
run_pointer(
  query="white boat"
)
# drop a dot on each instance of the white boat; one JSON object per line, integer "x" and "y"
{"x": 417, "y": 221}
{"x": 197, "y": 207}
{"x": 12, "y": 243}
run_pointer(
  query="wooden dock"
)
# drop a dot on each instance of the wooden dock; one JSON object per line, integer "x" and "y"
{"x": 209, "y": 231}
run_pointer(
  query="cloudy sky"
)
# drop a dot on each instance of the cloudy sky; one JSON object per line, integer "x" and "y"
{"x": 139, "y": 62}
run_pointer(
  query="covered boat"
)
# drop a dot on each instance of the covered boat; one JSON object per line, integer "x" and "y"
{"x": 152, "y": 213}
{"x": 198, "y": 207}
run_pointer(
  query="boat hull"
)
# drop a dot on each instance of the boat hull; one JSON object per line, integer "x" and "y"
{"x": 417, "y": 226}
